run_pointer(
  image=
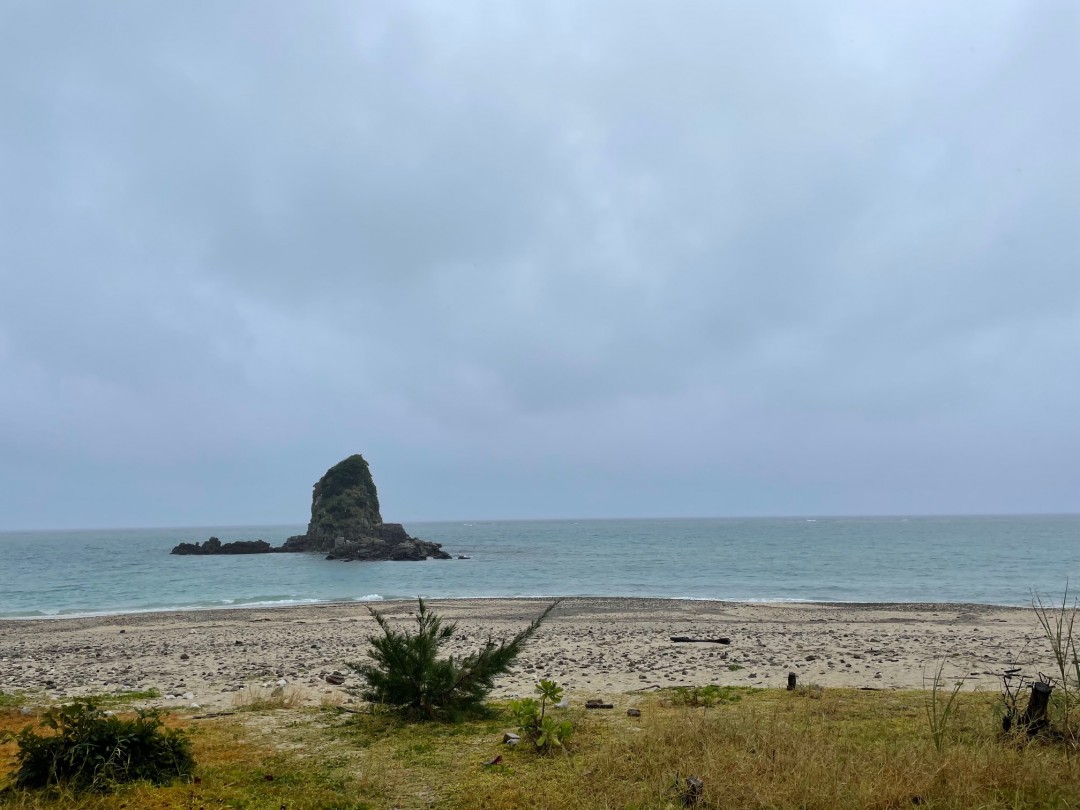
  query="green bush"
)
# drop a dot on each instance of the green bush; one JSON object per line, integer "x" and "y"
{"x": 407, "y": 675}
{"x": 89, "y": 750}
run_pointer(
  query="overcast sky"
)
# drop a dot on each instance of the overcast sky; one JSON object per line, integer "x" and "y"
{"x": 538, "y": 259}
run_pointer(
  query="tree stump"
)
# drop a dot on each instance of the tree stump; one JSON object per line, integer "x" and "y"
{"x": 1034, "y": 718}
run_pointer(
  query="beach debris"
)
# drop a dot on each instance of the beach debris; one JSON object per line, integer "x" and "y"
{"x": 511, "y": 739}
{"x": 184, "y": 656}
{"x": 690, "y": 790}
{"x": 596, "y": 703}
{"x": 335, "y": 678}
{"x": 691, "y": 640}
{"x": 792, "y": 680}
{"x": 633, "y": 712}
{"x": 495, "y": 761}
{"x": 563, "y": 704}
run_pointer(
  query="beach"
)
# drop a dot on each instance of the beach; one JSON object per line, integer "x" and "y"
{"x": 595, "y": 647}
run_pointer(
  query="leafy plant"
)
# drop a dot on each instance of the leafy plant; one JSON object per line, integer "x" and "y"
{"x": 545, "y": 732}
{"x": 90, "y": 750}
{"x": 406, "y": 673}
{"x": 940, "y": 709}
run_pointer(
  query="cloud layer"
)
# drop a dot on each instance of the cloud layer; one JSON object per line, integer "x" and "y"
{"x": 542, "y": 260}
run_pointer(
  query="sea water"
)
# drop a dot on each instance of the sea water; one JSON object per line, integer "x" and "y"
{"x": 989, "y": 560}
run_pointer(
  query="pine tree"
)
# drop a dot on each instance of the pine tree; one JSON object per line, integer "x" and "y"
{"x": 406, "y": 673}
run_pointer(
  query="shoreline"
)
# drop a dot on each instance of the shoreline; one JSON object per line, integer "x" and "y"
{"x": 594, "y": 646}
{"x": 362, "y": 601}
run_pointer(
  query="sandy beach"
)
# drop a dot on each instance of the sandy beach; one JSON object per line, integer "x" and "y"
{"x": 593, "y": 646}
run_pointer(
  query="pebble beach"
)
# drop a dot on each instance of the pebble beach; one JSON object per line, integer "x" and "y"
{"x": 594, "y": 647}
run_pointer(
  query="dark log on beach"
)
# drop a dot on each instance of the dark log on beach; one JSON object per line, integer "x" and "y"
{"x": 598, "y": 704}
{"x": 1034, "y": 718}
{"x": 688, "y": 639}
{"x": 791, "y": 680}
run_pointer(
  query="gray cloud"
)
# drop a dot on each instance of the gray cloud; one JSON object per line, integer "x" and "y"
{"x": 620, "y": 259}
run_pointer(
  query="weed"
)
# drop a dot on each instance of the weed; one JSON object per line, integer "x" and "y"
{"x": 545, "y": 732}
{"x": 939, "y": 710}
{"x": 1058, "y": 628}
{"x": 257, "y": 699}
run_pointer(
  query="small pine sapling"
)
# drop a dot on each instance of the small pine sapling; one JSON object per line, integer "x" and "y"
{"x": 406, "y": 673}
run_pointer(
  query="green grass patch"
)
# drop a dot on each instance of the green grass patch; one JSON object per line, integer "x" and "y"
{"x": 710, "y": 695}
{"x": 10, "y": 701}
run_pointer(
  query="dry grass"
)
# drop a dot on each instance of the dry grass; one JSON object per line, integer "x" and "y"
{"x": 768, "y": 749}
{"x": 259, "y": 699}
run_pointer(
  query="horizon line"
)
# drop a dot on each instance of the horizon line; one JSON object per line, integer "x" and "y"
{"x": 803, "y": 516}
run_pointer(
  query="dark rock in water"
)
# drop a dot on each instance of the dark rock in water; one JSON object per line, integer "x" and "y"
{"x": 215, "y": 546}
{"x": 345, "y": 524}
{"x": 387, "y": 541}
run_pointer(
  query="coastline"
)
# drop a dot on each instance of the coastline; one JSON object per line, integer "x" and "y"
{"x": 594, "y": 646}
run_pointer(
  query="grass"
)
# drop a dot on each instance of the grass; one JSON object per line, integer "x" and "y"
{"x": 765, "y": 749}
{"x": 259, "y": 699}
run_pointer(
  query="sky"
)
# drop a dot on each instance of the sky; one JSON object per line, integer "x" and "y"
{"x": 538, "y": 260}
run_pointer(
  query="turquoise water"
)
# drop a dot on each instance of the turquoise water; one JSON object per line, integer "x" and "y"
{"x": 991, "y": 560}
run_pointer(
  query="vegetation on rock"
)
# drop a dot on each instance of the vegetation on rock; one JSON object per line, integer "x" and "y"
{"x": 344, "y": 501}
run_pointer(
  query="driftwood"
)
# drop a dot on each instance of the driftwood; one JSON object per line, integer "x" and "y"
{"x": 688, "y": 639}
{"x": 598, "y": 704}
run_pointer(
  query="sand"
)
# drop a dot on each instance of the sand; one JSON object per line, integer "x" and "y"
{"x": 595, "y": 647}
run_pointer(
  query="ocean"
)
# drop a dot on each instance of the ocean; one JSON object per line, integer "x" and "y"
{"x": 988, "y": 560}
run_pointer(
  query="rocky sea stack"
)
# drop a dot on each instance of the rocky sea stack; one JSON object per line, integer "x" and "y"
{"x": 345, "y": 524}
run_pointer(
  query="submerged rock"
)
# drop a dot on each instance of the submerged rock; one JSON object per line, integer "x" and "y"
{"x": 345, "y": 524}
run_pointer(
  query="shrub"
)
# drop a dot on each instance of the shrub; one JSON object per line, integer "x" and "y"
{"x": 545, "y": 732}
{"x": 407, "y": 675}
{"x": 89, "y": 750}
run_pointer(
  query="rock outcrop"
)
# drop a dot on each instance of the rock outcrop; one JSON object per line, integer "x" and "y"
{"x": 345, "y": 524}
{"x": 215, "y": 546}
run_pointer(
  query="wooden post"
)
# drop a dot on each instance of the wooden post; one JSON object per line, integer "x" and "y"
{"x": 791, "y": 679}
{"x": 1034, "y": 718}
